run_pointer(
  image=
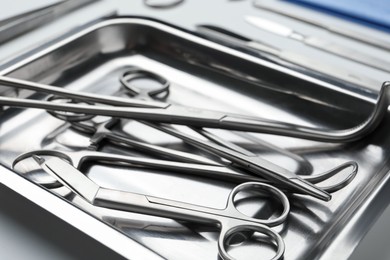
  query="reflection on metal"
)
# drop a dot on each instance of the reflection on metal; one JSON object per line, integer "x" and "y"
{"x": 230, "y": 220}
{"x": 320, "y": 43}
{"x": 161, "y": 4}
{"x": 160, "y": 48}
{"x": 339, "y": 29}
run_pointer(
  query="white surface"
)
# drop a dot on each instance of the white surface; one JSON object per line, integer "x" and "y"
{"x": 20, "y": 6}
{"x": 375, "y": 245}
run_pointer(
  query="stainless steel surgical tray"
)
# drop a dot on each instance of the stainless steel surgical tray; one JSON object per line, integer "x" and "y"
{"x": 208, "y": 75}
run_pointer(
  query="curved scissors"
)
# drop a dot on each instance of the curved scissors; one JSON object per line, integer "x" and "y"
{"x": 249, "y": 161}
{"x": 101, "y": 131}
{"x": 230, "y": 220}
{"x": 179, "y": 114}
{"x": 78, "y": 158}
{"x": 277, "y": 173}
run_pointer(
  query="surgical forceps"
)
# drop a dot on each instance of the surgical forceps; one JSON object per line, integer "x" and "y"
{"x": 230, "y": 220}
{"x": 102, "y": 130}
{"x": 292, "y": 181}
{"x": 297, "y": 184}
{"x": 125, "y": 79}
{"x": 177, "y": 114}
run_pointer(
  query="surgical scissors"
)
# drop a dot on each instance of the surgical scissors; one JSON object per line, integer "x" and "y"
{"x": 250, "y": 162}
{"x": 163, "y": 112}
{"x": 224, "y": 172}
{"x": 101, "y": 131}
{"x": 273, "y": 172}
{"x": 218, "y": 172}
{"x": 316, "y": 178}
{"x": 230, "y": 220}
{"x": 280, "y": 175}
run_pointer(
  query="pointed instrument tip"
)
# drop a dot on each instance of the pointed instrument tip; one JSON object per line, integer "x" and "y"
{"x": 38, "y": 159}
{"x": 310, "y": 189}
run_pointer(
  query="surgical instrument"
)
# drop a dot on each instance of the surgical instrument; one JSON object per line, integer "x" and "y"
{"x": 319, "y": 43}
{"x": 283, "y": 56}
{"x": 230, "y": 220}
{"x": 312, "y": 178}
{"x": 99, "y": 131}
{"x": 176, "y": 114}
{"x": 102, "y": 131}
{"x": 125, "y": 79}
{"x": 254, "y": 164}
{"x": 80, "y": 158}
{"x": 141, "y": 93}
{"x": 290, "y": 182}
{"x": 217, "y": 172}
{"x": 357, "y": 35}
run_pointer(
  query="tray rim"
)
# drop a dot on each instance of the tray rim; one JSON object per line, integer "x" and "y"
{"x": 40, "y": 196}
{"x": 30, "y": 55}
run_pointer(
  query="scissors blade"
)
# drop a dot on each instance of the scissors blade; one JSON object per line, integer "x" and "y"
{"x": 255, "y": 164}
{"x": 69, "y": 177}
{"x": 121, "y": 200}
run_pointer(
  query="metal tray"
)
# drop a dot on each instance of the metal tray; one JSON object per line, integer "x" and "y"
{"x": 207, "y": 75}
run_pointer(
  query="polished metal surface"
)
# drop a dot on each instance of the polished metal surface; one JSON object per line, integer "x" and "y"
{"x": 17, "y": 25}
{"x": 320, "y": 43}
{"x": 230, "y": 220}
{"x": 215, "y": 77}
{"x": 341, "y": 30}
{"x": 284, "y": 57}
{"x": 162, "y": 3}
{"x": 194, "y": 116}
{"x": 207, "y": 169}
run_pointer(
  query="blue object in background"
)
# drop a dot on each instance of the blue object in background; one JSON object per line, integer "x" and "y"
{"x": 373, "y": 13}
